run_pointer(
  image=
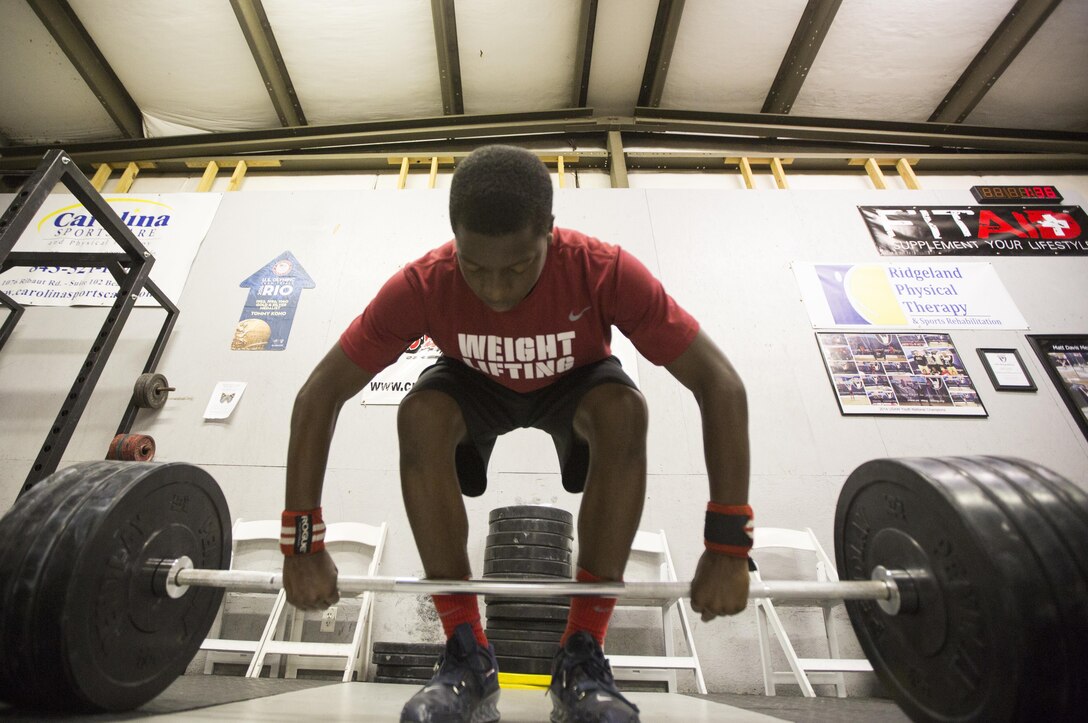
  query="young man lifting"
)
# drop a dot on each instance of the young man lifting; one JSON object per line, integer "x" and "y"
{"x": 522, "y": 312}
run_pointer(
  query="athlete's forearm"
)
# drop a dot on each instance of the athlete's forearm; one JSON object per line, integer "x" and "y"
{"x": 724, "y": 412}
{"x": 334, "y": 381}
{"x": 313, "y": 421}
{"x": 723, "y": 405}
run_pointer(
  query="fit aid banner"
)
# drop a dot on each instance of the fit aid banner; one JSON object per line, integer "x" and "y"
{"x": 170, "y": 226}
{"x": 907, "y": 295}
{"x": 978, "y": 230}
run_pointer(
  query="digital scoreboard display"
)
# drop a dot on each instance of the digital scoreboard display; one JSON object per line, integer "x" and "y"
{"x": 1016, "y": 194}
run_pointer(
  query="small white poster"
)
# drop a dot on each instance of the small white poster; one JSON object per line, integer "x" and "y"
{"x": 391, "y": 384}
{"x": 224, "y": 399}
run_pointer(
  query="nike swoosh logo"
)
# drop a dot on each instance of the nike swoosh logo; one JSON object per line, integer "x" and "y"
{"x": 575, "y": 317}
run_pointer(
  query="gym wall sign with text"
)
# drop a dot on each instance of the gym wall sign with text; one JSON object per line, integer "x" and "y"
{"x": 978, "y": 230}
{"x": 393, "y": 383}
{"x": 269, "y": 313}
{"x": 1065, "y": 357}
{"x": 907, "y": 295}
{"x": 171, "y": 226}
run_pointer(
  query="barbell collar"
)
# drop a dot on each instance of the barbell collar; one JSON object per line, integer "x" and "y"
{"x": 182, "y": 575}
{"x": 164, "y": 574}
{"x": 903, "y": 586}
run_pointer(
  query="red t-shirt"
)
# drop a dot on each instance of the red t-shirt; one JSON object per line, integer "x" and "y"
{"x": 565, "y": 322}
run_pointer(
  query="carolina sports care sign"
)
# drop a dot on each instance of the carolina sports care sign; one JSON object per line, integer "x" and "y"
{"x": 171, "y": 226}
{"x": 978, "y": 230}
{"x": 394, "y": 382}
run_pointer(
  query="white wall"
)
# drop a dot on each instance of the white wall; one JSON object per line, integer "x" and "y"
{"x": 723, "y": 254}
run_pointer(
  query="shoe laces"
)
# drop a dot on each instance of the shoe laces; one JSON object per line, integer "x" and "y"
{"x": 594, "y": 668}
{"x": 452, "y": 674}
{"x": 457, "y": 662}
{"x": 596, "y": 674}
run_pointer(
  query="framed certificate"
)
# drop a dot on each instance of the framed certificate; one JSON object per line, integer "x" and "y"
{"x": 1006, "y": 370}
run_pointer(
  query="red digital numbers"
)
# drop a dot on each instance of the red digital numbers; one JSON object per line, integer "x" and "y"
{"x": 1012, "y": 194}
{"x": 1039, "y": 192}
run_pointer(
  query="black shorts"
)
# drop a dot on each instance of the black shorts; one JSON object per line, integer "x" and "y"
{"x": 490, "y": 409}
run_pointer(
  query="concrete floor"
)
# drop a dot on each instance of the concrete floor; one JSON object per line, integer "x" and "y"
{"x": 219, "y": 698}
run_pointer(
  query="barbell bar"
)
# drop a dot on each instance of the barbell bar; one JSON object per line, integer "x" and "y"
{"x": 173, "y": 577}
{"x": 989, "y": 555}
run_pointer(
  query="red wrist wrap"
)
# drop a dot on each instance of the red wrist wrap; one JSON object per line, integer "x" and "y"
{"x": 728, "y": 529}
{"x": 302, "y": 532}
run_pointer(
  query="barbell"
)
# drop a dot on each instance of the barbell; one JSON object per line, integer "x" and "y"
{"x": 965, "y": 579}
{"x": 174, "y": 577}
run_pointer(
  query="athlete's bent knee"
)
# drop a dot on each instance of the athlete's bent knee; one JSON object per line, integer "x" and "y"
{"x": 428, "y": 422}
{"x": 610, "y": 411}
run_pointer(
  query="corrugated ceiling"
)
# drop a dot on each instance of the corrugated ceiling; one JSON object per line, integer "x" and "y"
{"x": 188, "y": 67}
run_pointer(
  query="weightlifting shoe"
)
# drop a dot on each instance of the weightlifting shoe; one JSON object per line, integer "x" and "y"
{"x": 583, "y": 689}
{"x": 465, "y": 686}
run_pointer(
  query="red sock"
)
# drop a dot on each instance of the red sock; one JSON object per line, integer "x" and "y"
{"x": 589, "y": 613}
{"x": 453, "y": 610}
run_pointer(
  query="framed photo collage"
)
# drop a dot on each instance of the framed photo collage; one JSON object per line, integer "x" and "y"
{"x": 899, "y": 374}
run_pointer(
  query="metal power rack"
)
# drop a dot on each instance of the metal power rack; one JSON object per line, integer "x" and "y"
{"x": 130, "y": 268}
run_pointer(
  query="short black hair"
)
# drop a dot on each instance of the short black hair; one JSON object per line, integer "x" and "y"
{"x": 501, "y": 189}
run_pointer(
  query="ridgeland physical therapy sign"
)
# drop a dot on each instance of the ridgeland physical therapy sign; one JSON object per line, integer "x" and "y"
{"x": 978, "y": 230}
{"x": 907, "y": 295}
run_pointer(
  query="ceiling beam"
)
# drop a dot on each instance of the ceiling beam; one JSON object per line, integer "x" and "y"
{"x": 932, "y": 135}
{"x": 449, "y": 61}
{"x": 807, "y": 39}
{"x": 1000, "y": 50}
{"x": 662, "y": 41}
{"x": 728, "y": 160}
{"x": 587, "y": 25}
{"x": 439, "y": 129}
{"x": 61, "y": 22}
{"x": 266, "y": 54}
{"x": 741, "y": 134}
{"x": 721, "y": 157}
{"x": 617, "y": 163}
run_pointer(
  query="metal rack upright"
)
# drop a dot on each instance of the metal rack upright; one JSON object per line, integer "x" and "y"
{"x": 129, "y": 267}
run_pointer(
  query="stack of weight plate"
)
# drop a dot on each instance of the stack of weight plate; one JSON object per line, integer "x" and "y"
{"x": 527, "y": 541}
{"x": 411, "y": 663}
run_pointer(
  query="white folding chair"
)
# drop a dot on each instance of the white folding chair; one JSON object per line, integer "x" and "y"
{"x": 661, "y": 668}
{"x": 303, "y": 648}
{"x": 255, "y": 546}
{"x": 803, "y": 672}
